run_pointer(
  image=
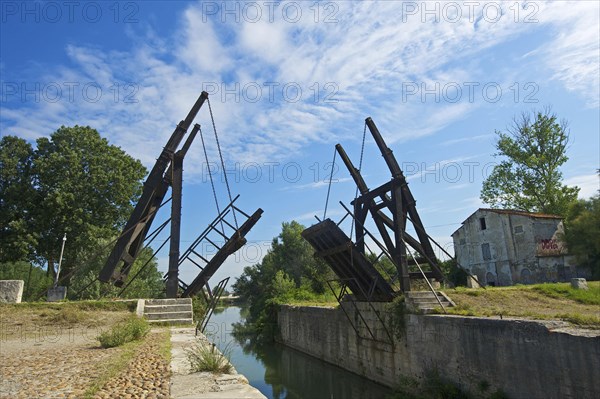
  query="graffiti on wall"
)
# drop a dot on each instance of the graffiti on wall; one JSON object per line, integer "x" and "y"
{"x": 550, "y": 247}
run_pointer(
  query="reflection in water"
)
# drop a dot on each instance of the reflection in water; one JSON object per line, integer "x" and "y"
{"x": 280, "y": 372}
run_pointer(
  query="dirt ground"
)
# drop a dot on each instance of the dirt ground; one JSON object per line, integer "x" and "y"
{"x": 52, "y": 352}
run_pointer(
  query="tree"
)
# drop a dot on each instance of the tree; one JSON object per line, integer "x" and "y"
{"x": 288, "y": 271}
{"x": 529, "y": 179}
{"x": 17, "y": 195}
{"x": 35, "y": 278}
{"x": 294, "y": 256}
{"x": 74, "y": 182}
{"x": 582, "y": 233}
{"x": 148, "y": 283}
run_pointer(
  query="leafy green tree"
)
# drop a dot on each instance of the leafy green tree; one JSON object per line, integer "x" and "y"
{"x": 35, "y": 278}
{"x": 294, "y": 255}
{"x": 454, "y": 274}
{"x": 148, "y": 283}
{"x": 529, "y": 179}
{"x": 17, "y": 195}
{"x": 582, "y": 233}
{"x": 76, "y": 183}
{"x": 289, "y": 270}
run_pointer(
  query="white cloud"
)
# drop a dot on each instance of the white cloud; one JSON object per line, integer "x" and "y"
{"x": 589, "y": 184}
{"x": 573, "y": 54}
{"x": 310, "y": 216}
{"x": 467, "y": 139}
{"x": 365, "y": 64}
{"x": 315, "y": 185}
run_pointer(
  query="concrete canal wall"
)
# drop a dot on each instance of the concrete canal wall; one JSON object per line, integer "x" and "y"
{"x": 525, "y": 359}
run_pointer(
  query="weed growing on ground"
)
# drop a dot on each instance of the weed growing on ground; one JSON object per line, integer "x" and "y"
{"x": 133, "y": 329}
{"x": 206, "y": 357}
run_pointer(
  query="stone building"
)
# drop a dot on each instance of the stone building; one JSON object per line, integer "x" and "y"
{"x": 506, "y": 247}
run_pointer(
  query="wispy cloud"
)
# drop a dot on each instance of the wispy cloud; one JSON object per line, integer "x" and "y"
{"x": 332, "y": 72}
{"x": 437, "y": 167}
{"x": 310, "y": 216}
{"x": 480, "y": 137}
{"x": 589, "y": 184}
{"x": 573, "y": 54}
{"x": 314, "y": 185}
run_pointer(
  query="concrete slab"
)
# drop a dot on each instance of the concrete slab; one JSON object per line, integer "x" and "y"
{"x": 11, "y": 291}
{"x": 186, "y": 384}
{"x": 57, "y": 294}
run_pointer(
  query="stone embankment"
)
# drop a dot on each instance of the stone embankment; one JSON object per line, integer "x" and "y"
{"x": 186, "y": 384}
{"x": 522, "y": 358}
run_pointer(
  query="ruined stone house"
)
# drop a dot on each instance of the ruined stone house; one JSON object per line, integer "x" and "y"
{"x": 506, "y": 247}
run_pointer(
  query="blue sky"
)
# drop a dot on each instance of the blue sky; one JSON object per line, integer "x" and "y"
{"x": 288, "y": 81}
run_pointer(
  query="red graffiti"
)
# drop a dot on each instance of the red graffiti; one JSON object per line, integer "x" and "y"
{"x": 549, "y": 244}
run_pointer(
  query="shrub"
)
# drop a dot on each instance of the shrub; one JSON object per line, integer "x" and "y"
{"x": 206, "y": 357}
{"x": 133, "y": 329}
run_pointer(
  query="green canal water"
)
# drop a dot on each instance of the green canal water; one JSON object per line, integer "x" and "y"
{"x": 280, "y": 372}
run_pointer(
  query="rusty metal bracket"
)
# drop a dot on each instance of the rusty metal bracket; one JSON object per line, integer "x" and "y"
{"x": 212, "y": 300}
{"x": 343, "y": 294}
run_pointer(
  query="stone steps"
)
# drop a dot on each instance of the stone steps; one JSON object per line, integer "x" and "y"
{"x": 174, "y": 311}
{"x": 426, "y": 302}
{"x": 149, "y": 309}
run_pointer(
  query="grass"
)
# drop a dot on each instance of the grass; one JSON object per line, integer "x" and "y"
{"x": 116, "y": 365}
{"x": 31, "y": 319}
{"x": 206, "y": 357}
{"x": 165, "y": 349}
{"x": 110, "y": 306}
{"x": 327, "y": 303}
{"x": 133, "y": 329}
{"x": 113, "y": 366}
{"x": 301, "y": 297}
{"x": 588, "y": 297}
{"x": 25, "y": 320}
{"x": 557, "y": 301}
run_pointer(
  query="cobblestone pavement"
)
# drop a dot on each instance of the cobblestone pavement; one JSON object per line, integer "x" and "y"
{"x": 50, "y": 363}
{"x": 147, "y": 376}
{"x": 64, "y": 362}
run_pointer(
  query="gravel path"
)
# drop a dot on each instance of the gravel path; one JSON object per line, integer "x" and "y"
{"x": 64, "y": 362}
{"x": 57, "y": 365}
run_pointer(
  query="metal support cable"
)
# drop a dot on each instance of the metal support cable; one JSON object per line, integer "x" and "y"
{"x": 212, "y": 184}
{"x": 448, "y": 254}
{"x": 362, "y": 152}
{"x": 212, "y": 118}
{"x": 427, "y": 280}
{"x": 79, "y": 293}
{"x": 329, "y": 186}
{"x": 132, "y": 279}
{"x": 100, "y": 250}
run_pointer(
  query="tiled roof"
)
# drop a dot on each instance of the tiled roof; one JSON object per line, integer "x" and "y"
{"x": 511, "y": 212}
{"x": 521, "y": 213}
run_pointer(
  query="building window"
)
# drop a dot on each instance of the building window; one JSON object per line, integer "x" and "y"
{"x": 518, "y": 229}
{"x": 482, "y": 223}
{"x": 490, "y": 279}
{"x": 485, "y": 251}
{"x": 526, "y": 277}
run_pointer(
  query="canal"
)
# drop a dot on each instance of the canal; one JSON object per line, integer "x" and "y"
{"x": 280, "y": 372}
